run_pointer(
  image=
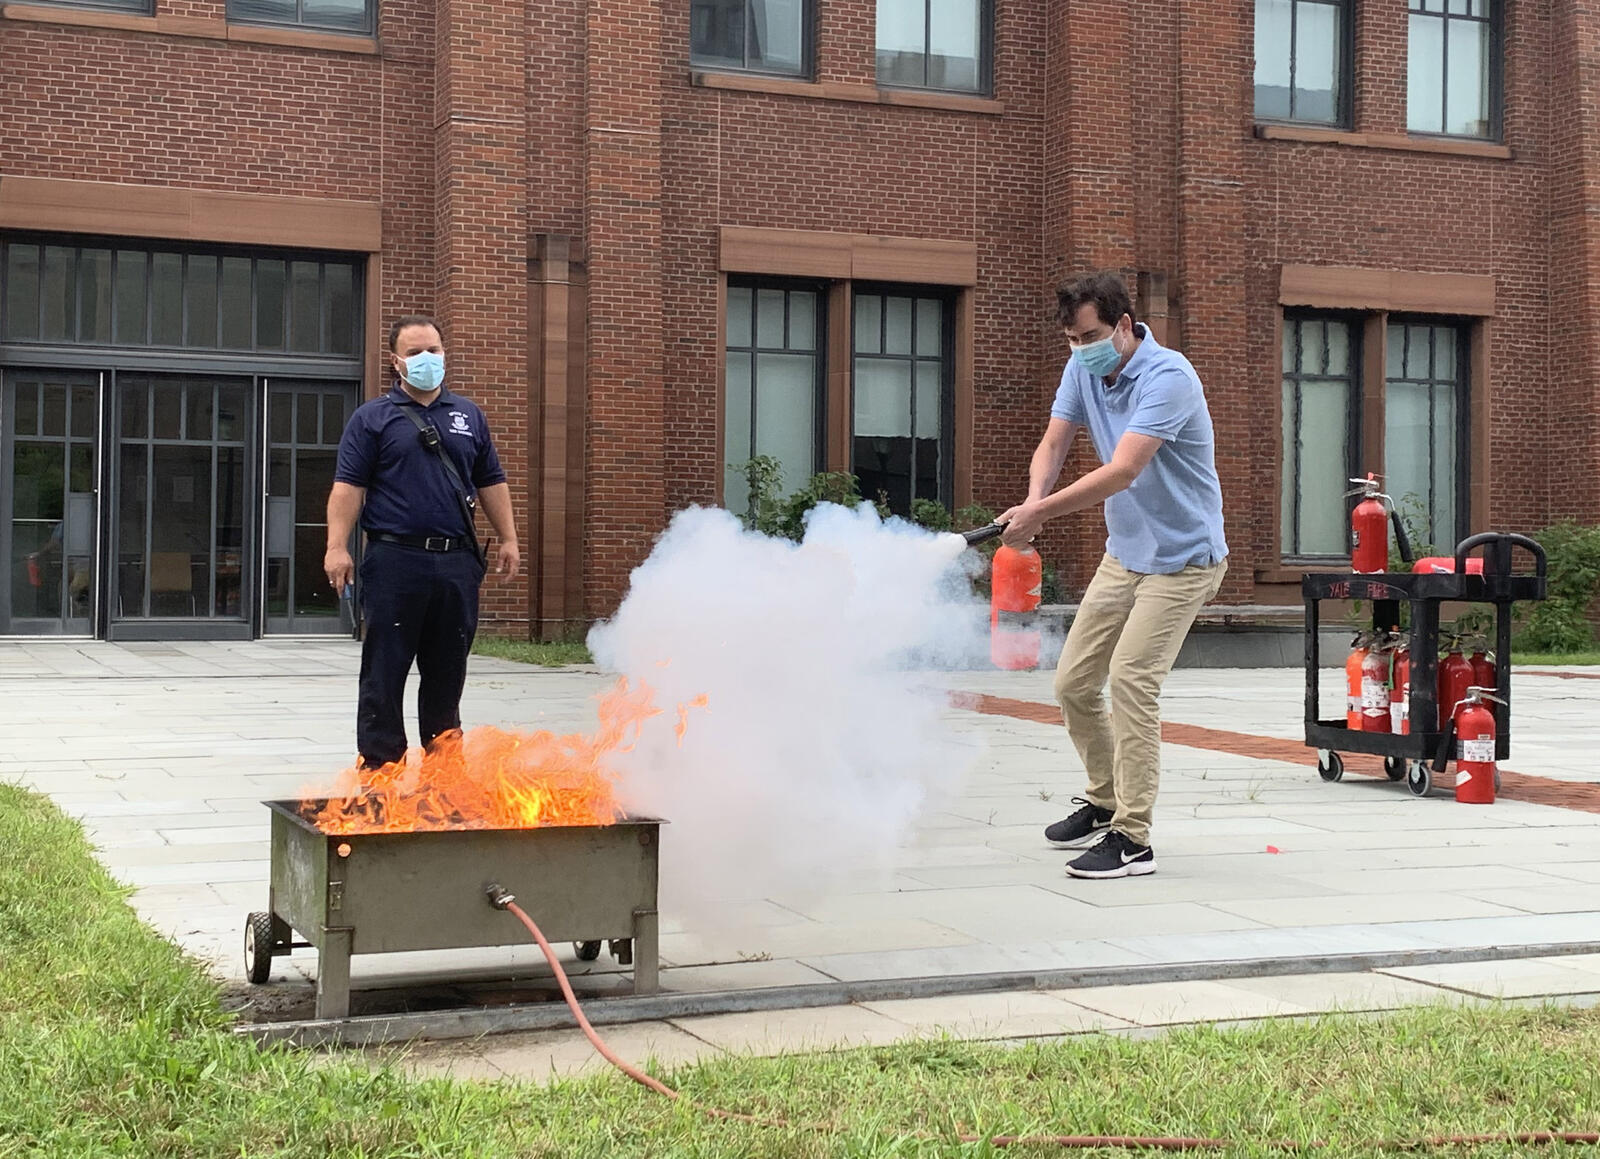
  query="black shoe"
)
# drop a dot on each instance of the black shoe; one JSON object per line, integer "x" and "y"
{"x": 1076, "y": 830}
{"x": 1115, "y": 856}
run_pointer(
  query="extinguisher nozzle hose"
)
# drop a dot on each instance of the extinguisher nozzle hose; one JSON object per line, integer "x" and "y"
{"x": 982, "y": 534}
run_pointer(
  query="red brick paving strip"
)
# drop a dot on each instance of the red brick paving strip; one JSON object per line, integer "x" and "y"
{"x": 1513, "y": 786}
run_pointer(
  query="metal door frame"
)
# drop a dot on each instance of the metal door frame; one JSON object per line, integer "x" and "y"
{"x": 354, "y": 400}
{"x": 8, "y": 376}
{"x": 175, "y": 628}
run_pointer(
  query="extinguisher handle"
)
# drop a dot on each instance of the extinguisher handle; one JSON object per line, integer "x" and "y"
{"x": 1447, "y": 745}
{"x": 1401, "y": 539}
{"x": 983, "y": 534}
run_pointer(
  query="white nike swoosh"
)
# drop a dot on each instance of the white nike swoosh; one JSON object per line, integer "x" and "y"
{"x": 1127, "y": 857}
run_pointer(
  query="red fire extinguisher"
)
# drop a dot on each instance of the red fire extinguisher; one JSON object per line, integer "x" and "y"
{"x": 1016, "y": 578}
{"x": 1369, "y": 528}
{"x": 1375, "y": 672}
{"x": 1400, "y": 689}
{"x": 1455, "y": 677}
{"x": 1353, "y": 666}
{"x": 1473, "y": 725}
{"x": 1484, "y": 673}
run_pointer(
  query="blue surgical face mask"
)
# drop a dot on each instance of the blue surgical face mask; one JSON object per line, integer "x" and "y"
{"x": 425, "y": 371}
{"x": 1099, "y": 358}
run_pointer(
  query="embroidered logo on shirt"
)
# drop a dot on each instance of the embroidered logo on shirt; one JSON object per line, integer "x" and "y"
{"x": 458, "y": 423}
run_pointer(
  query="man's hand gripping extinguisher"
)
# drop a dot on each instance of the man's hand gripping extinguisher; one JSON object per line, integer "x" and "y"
{"x": 1472, "y": 731}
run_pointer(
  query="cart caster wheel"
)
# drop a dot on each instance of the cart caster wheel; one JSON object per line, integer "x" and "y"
{"x": 1418, "y": 779}
{"x": 622, "y": 951}
{"x": 1331, "y": 767}
{"x": 258, "y": 947}
{"x": 586, "y": 951}
{"x": 1395, "y": 768}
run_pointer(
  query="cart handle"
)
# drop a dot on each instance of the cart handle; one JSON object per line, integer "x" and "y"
{"x": 1501, "y": 563}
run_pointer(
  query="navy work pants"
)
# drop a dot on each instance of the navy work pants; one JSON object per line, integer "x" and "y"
{"x": 422, "y": 606}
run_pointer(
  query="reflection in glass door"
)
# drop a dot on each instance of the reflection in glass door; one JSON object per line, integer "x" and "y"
{"x": 180, "y": 497}
{"x": 47, "y": 502}
{"x": 304, "y": 422}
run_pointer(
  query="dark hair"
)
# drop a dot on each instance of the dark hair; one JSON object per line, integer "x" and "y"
{"x": 1108, "y": 293}
{"x": 405, "y": 320}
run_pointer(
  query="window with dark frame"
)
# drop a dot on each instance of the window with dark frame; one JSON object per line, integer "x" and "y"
{"x": 935, "y": 44}
{"x": 1426, "y": 424}
{"x": 765, "y": 36}
{"x": 138, "y": 7}
{"x": 1453, "y": 68}
{"x": 1303, "y": 53}
{"x": 773, "y": 384}
{"x": 357, "y": 16}
{"x": 903, "y": 409}
{"x": 1321, "y": 433}
{"x": 114, "y": 294}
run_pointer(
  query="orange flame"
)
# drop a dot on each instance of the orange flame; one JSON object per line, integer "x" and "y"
{"x": 491, "y": 779}
{"x": 683, "y": 716}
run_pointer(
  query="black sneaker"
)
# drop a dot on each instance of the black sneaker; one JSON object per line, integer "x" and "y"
{"x": 1076, "y": 830}
{"x": 1115, "y": 856}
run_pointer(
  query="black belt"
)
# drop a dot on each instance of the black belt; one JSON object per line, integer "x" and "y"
{"x": 426, "y": 542}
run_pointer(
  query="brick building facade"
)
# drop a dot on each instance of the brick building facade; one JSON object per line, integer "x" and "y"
{"x": 664, "y": 236}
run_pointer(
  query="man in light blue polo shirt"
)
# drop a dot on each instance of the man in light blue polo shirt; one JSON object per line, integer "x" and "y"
{"x": 1145, "y": 410}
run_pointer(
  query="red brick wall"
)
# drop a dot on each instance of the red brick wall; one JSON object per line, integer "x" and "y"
{"x": 1125, "y": 142}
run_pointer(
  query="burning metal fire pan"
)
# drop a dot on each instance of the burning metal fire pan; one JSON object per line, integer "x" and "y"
{"x": 378, "y": 893}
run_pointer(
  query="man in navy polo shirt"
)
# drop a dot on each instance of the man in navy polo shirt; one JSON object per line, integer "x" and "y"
{"x": 1165, "y": 556}
{"x": 420, "y": 575}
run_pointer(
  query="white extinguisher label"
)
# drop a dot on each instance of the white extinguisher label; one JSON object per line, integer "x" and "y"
{"x": 1480, "y": 751}
{"x": 1374, "y": 694}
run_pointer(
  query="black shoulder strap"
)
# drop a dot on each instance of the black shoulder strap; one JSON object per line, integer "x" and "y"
{"x": 434, "y": 442}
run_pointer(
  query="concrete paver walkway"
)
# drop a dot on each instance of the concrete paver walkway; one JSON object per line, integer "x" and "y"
{"x": 166, "y": 750}
{"x": 1011, "y": 1017}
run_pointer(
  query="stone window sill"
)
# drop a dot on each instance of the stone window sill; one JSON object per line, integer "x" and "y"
{"x": 1401, "y": 142}
{"x": 841, "y": 91}
{"x": 191, "y": 27}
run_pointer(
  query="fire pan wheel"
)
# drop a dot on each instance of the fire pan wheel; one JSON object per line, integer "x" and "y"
{"x": 1330, "y": 766}
{"x": 1395, "y": 768}
{"x": 586, "y": 951}
{"x": 258, "y": 947}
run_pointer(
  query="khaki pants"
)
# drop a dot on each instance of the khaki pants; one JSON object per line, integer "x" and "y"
{"x": 1130, "y": 626}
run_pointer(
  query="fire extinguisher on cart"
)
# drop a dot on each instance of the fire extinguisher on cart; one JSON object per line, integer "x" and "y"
{"x": 1471, "y": 734}
{"x": 1369, "y": 528}
{"x": 1400, "y": 688}
{"x": 1456, "y": 675}
{"x": 1484, "y": 673}
{"x": 1375, "y": 673}
{"x": 1354, "y": 667}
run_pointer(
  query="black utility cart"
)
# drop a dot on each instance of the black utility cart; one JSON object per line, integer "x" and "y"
{"x": 1408, "y": 756}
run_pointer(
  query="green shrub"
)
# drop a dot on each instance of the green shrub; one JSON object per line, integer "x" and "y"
{"x": 1560, "y": 622}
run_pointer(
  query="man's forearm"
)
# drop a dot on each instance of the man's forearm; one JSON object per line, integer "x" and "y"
{"x": 496, "y": 502}
{"x": 344, "y": 508}
{"x": 1045, "y": 469}
{"x": 1098, "y": 485}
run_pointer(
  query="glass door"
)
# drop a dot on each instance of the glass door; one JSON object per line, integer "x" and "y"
{"x": 304, "y": 423}
{"x": 49, "y": 423}
{"x": 179, "y": 542}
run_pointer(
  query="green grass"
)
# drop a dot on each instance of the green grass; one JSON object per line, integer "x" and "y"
{"x": 532, "y": 652}
{"x": 113, "y": 1044}
{"x": 1548, "y": 659}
